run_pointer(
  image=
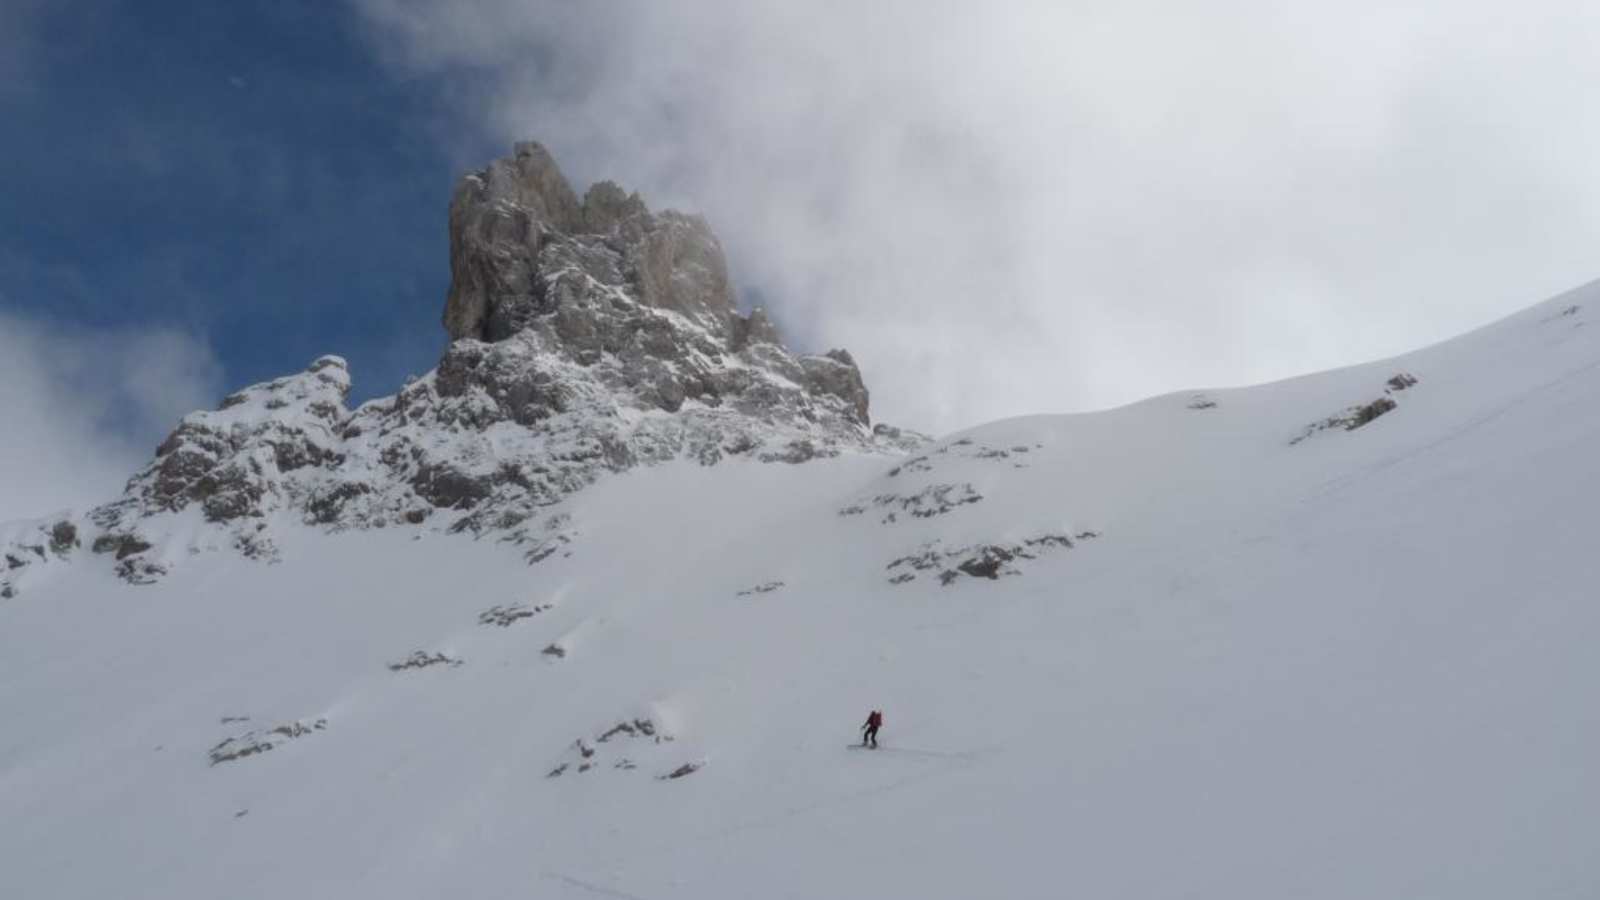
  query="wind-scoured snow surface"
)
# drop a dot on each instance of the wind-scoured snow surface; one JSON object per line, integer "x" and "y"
{"x": 1327, "y": 638}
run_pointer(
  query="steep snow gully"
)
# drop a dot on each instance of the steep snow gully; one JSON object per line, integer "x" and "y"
{"x": 622, "y": 580}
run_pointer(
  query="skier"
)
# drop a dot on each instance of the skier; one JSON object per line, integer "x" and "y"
{"x": 869, "y": 731}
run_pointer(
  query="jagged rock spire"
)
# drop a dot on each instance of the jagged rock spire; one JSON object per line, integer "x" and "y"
{"x": 590, "y": 281}
{"x": 504, "y": 218}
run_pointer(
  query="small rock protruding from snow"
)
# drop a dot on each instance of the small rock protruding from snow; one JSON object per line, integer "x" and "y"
{"x": 619, "y": 747}
{"x": 933, "y": 500}
{"x": 506, "y": 616}
{"x": 688, "y": 768}
{"x": 1401, "y": 381}
{"x": 986, "y": 561}
{"x": 421, "y": 659}
{"x": 1363, "y": 414}
{"x": 253, "y": 742}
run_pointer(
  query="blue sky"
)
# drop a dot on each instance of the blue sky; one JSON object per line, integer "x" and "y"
{"x": 246, "y": 173}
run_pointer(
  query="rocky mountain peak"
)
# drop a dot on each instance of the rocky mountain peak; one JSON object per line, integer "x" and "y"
{"x": 643, "y": 296}
{"x": 587, "y": 337}
{"x": 519, "y": 238}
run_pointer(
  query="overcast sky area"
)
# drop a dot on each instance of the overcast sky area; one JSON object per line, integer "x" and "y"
{"x": 998, "y": 208}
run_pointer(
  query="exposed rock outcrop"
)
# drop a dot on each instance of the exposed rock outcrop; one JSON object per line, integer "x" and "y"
{"x": 517, "y": 229}
{"x": 1362, "y": 414}
{"x": 27, "y": 547}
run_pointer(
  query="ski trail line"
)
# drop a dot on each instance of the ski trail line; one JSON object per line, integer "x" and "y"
{"x": 1517, "y": 401}
{"x": 967, "y": 755}
{"x": 952, "y": 762}
{"x": 590, "y": 886}
{"x": 945, "y": 763}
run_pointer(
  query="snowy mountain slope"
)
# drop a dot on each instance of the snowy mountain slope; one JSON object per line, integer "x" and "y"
{"x": 1244, "y": 656}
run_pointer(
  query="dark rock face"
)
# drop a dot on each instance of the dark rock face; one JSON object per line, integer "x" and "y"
{"x": 123, "y": 545}
{"x": 606, "y": 205}
{"x": 64, "y": 538}
{"x": 1364, "y": 414}
{"x": 835, "y": 373}
{"x": 509, "y": 209}
{"x": 516, "y": 228}
{"x": 587, "y": 337}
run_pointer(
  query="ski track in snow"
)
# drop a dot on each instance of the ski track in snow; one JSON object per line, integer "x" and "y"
{"x": 1455, "y": 434}
{"x": 951, "y": 762}
{"x": 590, "y": 887}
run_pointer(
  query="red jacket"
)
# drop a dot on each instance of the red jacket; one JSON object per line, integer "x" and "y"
{"x": 875, "y": 720}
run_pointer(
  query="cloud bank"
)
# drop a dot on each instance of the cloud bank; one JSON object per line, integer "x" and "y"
{"x": 82, "y": 411}
{"x": 1030, "y": 207}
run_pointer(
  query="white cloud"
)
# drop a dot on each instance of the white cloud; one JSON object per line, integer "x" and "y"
{"x": 80, "y": 412}
{"x": 1038, "y": 206}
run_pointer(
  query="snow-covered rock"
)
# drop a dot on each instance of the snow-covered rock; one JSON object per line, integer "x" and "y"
{"x": 27, "y": 547}
{"x": 588, "y": 338}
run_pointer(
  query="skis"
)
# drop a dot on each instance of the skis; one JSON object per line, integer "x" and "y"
{"x": 918, "y": 753}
